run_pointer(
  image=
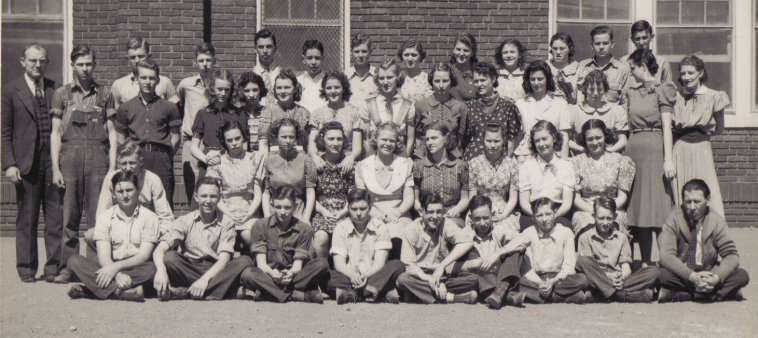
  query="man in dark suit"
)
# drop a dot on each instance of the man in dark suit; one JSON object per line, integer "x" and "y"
{"x": 26, "y": 125}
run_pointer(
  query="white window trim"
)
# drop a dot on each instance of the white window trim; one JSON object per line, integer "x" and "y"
{"x": 345, "y": 28}
{"x": 744, "y": 111}
{"x": 68, "y": 38}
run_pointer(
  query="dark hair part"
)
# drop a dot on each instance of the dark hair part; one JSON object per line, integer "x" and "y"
{"x": 538, "y": 66}
{"x": 149, "y": 64}
{"x": 695, "y": 61}
{"x": 412, "y": 44}
{"x": 124, "y": 176}
{"x": 391, "y": 126}
{"x": 601, "y": 30}
{"x": 313, "y": 44}
{"x": 137, "y": 43}
{"x": 82, "y": 50}
{"x": 442, "y": 67}
{"x": 479, "y": 201}
{"x": 697, "y": 184}
{"x": 641, "y": 26}
{"x": 288, "y": 74}
{"x": 645, "y": 57}
{"x": 359, "y": 39}
{"x": 205, "y": 48}
{"x": 208, "y": 180}
{"x": 566, "y": 38}
{"x": 610, "y": 136}
{"x": 264, "y": 33}
{"x": 430, "y": 197}
{"x": 470, "y": 42}
{"x": 356, "y": 195}
{"x": 344, "y": 81}
{"x": 596, "y": 77}
{"x": 522, "y": 51}
{"x": 551, "y": 129}
{"x": 488, "y": 69}
{"x": 251, "y": 77}
{"x": 284, "y": 192}
{"x": 542, "y": 201}
{"x": 331, "y": 125}
{"x": 273, "y": 133}
{"x": 231, "y": 125}
{"x": 604, "y": 202}
{"x": 450, "y": 139}
{"x": 387, "y": 64}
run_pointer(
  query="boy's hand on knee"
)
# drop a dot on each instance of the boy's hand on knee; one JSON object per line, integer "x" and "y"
{"x": 160, "y": 282}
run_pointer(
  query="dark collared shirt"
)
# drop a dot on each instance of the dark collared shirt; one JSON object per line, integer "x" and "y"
{"x": 447, "y": 178}
{"x": 281, "y": 248}
{"x": 148, "y": 122}
{"x": 209, "y": 120}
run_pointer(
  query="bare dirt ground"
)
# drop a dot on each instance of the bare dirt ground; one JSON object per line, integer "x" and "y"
{"x": 44, "y": 310}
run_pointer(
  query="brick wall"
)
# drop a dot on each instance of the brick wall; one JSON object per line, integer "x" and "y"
{"x": 173, "y": 27}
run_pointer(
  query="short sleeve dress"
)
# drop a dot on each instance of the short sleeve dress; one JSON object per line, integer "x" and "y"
{"x": 475, "y": 120}
{"x": 603, "y": 177}
{"x": 351, "y": 118}
{"x": 238, "y": 176}
{"x": 416, "y": 88}
{"x": 448, "y": 178}
{"x": 464, "y": 90}
{"x": 430, "y": 111}
{"x": 295, "y": 169}
{"x": 386, "y": 186}
{"x": 651, "y": 198}
{"x": 495, "y": 180}
{"x": 331, "y": 192}
{"x": 510, "y": 84}
{"x": 570, "y": 75}
{"x": 693, "y": 157}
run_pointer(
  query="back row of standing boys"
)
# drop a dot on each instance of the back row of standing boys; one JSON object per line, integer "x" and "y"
{"x": 507, "y": 169}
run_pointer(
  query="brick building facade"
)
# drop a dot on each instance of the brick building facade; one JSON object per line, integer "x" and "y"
{"x": 173, "y": 27}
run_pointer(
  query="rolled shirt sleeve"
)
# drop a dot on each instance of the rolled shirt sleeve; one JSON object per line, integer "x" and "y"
{"x": 227, "y": 238}
{"x": 259, "y": 237}
{"x": 150, "y": 229}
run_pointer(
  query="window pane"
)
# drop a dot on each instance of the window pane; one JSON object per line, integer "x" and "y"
{"x": 717, "y": 12}
{"x": 290, "y": 41}
{"x": 593, "y": 9}
{"x": 276, "y": 9}
{"x": 568, "y": 9}
{"x": 580, "y": 33}
{"x": 693, "y": 12}
{"x": 23, "y": 7}
{"x": 51, "y": 6}
{"x": 667, "y": 12}
{"x": 303, "y": 9}
{"x": 618, "y": 9}
{"x": 328, "y": 9}
{"x": 755, "y": 70}
{"x": 713, "y": 45}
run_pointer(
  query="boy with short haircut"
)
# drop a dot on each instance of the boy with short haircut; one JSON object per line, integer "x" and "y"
{"x": 498, "y": 275}
{"x": 605, "y": 257}
{"x": 126, "y": 235}
{"x": 361, "y": 73}
{"x": 550, "y": 249}
{"x": 615, "y": 71}
{"x": 698, "y": 258}
{"x": 265, "y": 47}
{"x": 360, "y": 248}
{"x": 281, "y": 245}
{"x": 426, "y": 252}
{"x": 311, "y": 78}
{"x": 204, "y": 269}
{"x": 190, "y": 98}
{"x": 127, "y": 87}
{"x": 642, "y": 37}
{"x": 152, "y": 122}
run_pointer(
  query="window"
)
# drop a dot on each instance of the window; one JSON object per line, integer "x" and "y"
{"x": 294, "y": 21}
{"x": 755, "y": 56}
{"x": 703, "y": 27}
{"x": 27, "y": 21}
{"x": 578, "y": 17}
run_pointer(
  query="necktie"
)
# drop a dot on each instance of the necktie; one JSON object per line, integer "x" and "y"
{"x": 39, "y": 96}
{"x": 691, "y": 261}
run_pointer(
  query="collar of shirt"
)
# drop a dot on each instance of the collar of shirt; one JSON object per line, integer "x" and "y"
{"x": 487, "y": 237}
{"x": 650, "y": 86}
{"x": 544, "y": 166}
{"x": 293, "y": 226}
{"x": 570, "y": 69}
{"x": 77, "y": 86}
{"x": 430, "y": 233}
{"x": 446, "y": 161}
{"x": 122, "y": 216}
{"x": 146, "y": 102}
{"x": 546, "y": 235}
{"x": 198, "y": 218}
{"x": 596, "y": 236}
{"x": 591, "y": 110}
{"x": 547, "y": 99}
{"x": 33, "y": 84}
{"x": 272, "y": 68}
{"x": 613, "y": 63}
{"x": 317, "y": 78}
{"x": 436, "y": 103}
{"x": 382, "y": 99}
{"x": 370, "y": 227}
{"x": 351, "y": 72}
{"x": 700, "y": 91}
{"x": 508, "y": 75}
{"x": 199, "y": 81}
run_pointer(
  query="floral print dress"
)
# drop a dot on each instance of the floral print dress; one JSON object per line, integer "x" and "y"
{"x": 331, "y": 192}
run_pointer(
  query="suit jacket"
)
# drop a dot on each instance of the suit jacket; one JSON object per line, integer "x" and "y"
{"x": 20, "y": 139}
{"x": 719, "y": 251}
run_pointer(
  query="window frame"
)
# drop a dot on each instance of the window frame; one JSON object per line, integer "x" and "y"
{"x": 744, "y": 111}
{"x": 345, "y": 28}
